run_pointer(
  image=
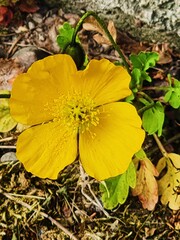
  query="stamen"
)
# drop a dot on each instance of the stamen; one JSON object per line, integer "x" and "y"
{"x": 75, "y": 111}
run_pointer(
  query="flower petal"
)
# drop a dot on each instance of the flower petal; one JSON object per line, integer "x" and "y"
{"x": 104, "y": 81}
{"x": 46, "y": 149}
{"x": 45, "y": 80}
{"x": 106, "y": 150}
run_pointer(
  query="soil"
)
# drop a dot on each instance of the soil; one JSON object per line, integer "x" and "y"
{"x": 34, "y": 208}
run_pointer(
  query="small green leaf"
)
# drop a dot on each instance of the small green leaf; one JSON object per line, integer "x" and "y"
{"x": 144, "y": 60}
{"x": 130, "y": 98}
{"x": 115, "y": 190}
{"x": 140, "y": 154}
{"x": 175, "y": 99}
{"x": 153, "y": 119}
{"x": 145, "y": 76}
{"x": 65, "y": 35}
{"x": 131, "y": 175}
{"x": 136, "y": 61}
{"x": 6, "y": 121}
{"x": 173, "y": 94}
{"x": 136, "y": 78}
{"x": 141, "y": 63}
{"x": 151, "y": 59}
{"x": 168, "y": 95}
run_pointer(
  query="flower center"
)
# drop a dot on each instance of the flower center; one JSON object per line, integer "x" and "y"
{"x": 76, "y": 111}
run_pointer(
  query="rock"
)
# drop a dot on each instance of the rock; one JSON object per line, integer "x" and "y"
{"x": 8, "y": 157}
{"x": 28, "y": 55}
{"x": 153, "y": 21}
{"x": 37, "y": 18}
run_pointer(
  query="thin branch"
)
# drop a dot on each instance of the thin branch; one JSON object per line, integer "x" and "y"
{"x": 6, "y": 139}
{"x": 7, "y": 147}
{"x": 161, "y": 147}
{"x": 85, "y": 183}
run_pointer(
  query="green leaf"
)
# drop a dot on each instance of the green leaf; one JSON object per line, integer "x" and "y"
{"x": 168, "y": 95}
{"x": 145, "y": 76}
{"x": 173, "y": 95}
{"x": 115, "y": 190}
{"x": 65, "y": 35}
{"x": 153, "y": 119}
{"x": 136, "y": 61}
{"x": 144, "y": 60}
{"x": 6, "y": 121}
{"x": 136, "y": 78}
{"x": 151, "y": 59}
{"x": 130, "y": 98}
{"x": 140, "y": 154}
{"x": 141, "y": 63}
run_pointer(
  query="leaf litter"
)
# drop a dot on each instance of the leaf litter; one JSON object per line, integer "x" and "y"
{"x": 62, "y": 200}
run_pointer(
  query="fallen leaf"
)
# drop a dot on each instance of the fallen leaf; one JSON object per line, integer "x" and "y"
{"x": 9, "y": 69}
{"x": 92, "y": 25}
{"x": 164, "y": 53}
{"x": 29, "y": 6}
{"x": 6, "y": 121}
{"x": 6, "y": 15}
{"x": 146, "y": 188}
{"x": 169, "y": 183}
{"x": 23, "y": 181}
{"x": 149, "y": 232}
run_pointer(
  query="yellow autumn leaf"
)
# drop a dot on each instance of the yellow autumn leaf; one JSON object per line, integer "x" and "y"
{"x": 6, "y": 121}
{"x": 169, "y": 184}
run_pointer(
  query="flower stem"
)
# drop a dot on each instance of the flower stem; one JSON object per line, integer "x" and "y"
{"x": 161, "y": 148}
{"x": 103, "y": 26}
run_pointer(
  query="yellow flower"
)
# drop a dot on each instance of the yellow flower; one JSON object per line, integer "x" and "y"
{"x": 75, "y": 113}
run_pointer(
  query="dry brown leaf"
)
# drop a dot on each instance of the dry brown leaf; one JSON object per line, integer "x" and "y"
{"x": 146, "y": 188}
{"x": 164, "y": 53}
{"x": 9, "y": 70}
{"x": 169, "y": 184}
{"x": 100, "y": 37}
{"x": 6, "y": 16}
{"x": 29, "y": 6}
{"x": 92, "y": 25}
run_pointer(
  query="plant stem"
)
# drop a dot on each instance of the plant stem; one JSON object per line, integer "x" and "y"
{"x": 155, "y": 88}
{"x": 161, "y": 148}
{"x": 5, "y": 95}
{"x": 144, "y": 95}
{"x": 103, "y": 26}
{"x": 145, "y": 108}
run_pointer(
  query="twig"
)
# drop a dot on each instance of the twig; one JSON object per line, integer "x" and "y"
{"x": 85, "y": 183}
{"x": 14, "y": 44}
{"x": 6, "y": 139}
{"x": 173, "y": 139}
{"x": 26, "y": 205}
{"x": 25, "y": 196}
{"x": 7, "y": 147}
{"x": 142, "y": 225}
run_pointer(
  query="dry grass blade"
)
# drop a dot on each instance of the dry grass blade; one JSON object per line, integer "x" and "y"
{"x": 53, "y": 221}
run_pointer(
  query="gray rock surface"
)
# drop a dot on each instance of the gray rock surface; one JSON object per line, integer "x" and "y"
{"x": 147, "y": 20}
